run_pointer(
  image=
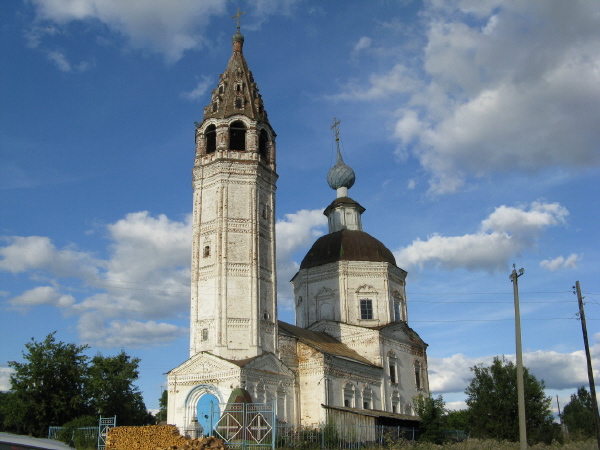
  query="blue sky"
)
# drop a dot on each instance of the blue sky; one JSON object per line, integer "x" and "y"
{"x": 472, "y": 127}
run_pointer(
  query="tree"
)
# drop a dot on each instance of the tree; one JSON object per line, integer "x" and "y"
{"x": 432, "y": 412}
{"x": 112, "y": 392}
{"x": 49, "y": 388}
{"x": 493, "y": 405}
{"x": 578, "y": 415}
{"x": 161, "y": 416}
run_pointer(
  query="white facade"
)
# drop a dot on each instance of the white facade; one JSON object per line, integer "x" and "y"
{"x": 351, "y": 352}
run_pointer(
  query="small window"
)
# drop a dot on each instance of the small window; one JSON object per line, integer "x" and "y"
{"x": 366, "y": 309}
{"x": 392, "y": 372}
{"x": 238, "y": 102}
{"x": 206, "y": 251}
{"x": 205, "y": 334}
{"x": 367, "y": 398}
{"x": 347, "y": 403}
{"x": 397, "y": 311}
{"x": 221, "y": 89}
{"x": 215, "y": 107}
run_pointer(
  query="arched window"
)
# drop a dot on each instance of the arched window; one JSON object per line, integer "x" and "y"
{"x": 210, "y": 135}
{"x": 237, "y": 136}
{"x": 263, "y": 142}
{"x": 368, "y": 398}
{"x": 349, "y": 395}
{"x": 418, "y": 375}
{"x": 392, "y": 362}
{"x": 396, "y": 408}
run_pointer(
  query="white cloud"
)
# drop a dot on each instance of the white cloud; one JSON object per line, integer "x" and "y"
{"x": 506, "y": 87}
{"x": 34, "y": 253}
{"x": 129, "y": 333}
{"x": 502, "y": 235}
{"x": 42, "y": 295}
{"x": 363, "y": 44}
{"x": 61, "y": 62}
{"x": 201, "y": 88}
{"x": 145, "y": 278}
{"x": 169, "y": 28}
{"x": 561, "y": 263}
{"x": 5, "y": 373}
{"x": 558, "y": 370}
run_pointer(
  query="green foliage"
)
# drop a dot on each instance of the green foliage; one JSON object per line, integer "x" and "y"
{"x": 83, "y": 432}
{"x": 161, "y": 415}
{"x": 578, "y": 415}
{"x": 48, "y": 389}
{"x": 112, "y": 392}
{"x": 458, "y": 420}
{"x": 432, "y": 412}
{"x": 57, "y": 383}
{"x": 493, "y": 404}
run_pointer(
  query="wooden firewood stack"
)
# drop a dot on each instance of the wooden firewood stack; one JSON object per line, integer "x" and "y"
{"x": 157, "y": 437}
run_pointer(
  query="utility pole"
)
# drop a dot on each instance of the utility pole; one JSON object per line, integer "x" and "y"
{"x": 520, "y": 385}
{"x": 589, "y": 361}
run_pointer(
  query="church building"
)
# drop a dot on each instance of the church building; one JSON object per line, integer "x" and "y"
{"x": 351, "y": 355}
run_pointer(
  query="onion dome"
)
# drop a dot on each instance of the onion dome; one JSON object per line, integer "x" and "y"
{"x": 341, "y": 175}
{"x": 347, "y": 245}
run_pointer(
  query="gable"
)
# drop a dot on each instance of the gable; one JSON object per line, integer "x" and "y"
{"x": 203, "y": 363}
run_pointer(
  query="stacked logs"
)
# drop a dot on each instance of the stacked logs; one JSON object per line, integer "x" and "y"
{"x": 157, "y": 437}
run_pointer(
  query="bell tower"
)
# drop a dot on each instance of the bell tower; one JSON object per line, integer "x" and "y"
{"x": 233, "y": 304}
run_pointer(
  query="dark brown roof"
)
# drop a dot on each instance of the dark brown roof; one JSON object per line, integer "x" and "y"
{"x": 346, "y": 245}
{"x": 323, "y": 342}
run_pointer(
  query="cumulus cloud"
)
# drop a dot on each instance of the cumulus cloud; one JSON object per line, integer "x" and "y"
{"x": 558, "y": 370}
{"x": 168, "y": 28}
{"x": 295, "y": 232}
{"x": 42, "y": 295}
{"x": 502, "y": 235}
{"x": 126, "y": 298}
{"x": 560, "y": 262}
{"x": 507, "y": 87}
{"x": 145, "y": 277}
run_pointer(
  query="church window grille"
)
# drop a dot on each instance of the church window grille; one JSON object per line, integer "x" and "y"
{"x": 211, "y": 139}
{"x": 366, "y": 309}
{"x": 237, "y": 136}
{"x": 263, "y": 141}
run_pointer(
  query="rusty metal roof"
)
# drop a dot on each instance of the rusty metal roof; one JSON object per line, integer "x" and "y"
{"x": 346, "y": 245}
{"x": 323, "y": 343}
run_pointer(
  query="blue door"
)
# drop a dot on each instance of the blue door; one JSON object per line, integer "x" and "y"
{"x": 206, "y": 404}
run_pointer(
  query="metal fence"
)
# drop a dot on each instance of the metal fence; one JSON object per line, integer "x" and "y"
{"x": 78, "y": 436}
{"x": 341, "y": 437}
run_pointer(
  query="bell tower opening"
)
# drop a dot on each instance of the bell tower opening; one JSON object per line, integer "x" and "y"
{"x": 237, "y": 136}
{"x": 211, "y": 139}
{"x": 263, "y": 142}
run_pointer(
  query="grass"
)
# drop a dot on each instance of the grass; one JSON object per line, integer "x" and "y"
{"x": 489, "y": 444}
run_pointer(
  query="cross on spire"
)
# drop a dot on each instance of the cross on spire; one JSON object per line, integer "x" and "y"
{"x": 237, "y": 16}
{"x": 336, "y": 128}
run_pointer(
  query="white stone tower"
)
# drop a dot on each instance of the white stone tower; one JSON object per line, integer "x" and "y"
{"x": 233, "y": 307}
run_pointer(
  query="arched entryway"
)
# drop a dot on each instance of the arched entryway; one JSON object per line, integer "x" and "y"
{"x": 199, "y": 403}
